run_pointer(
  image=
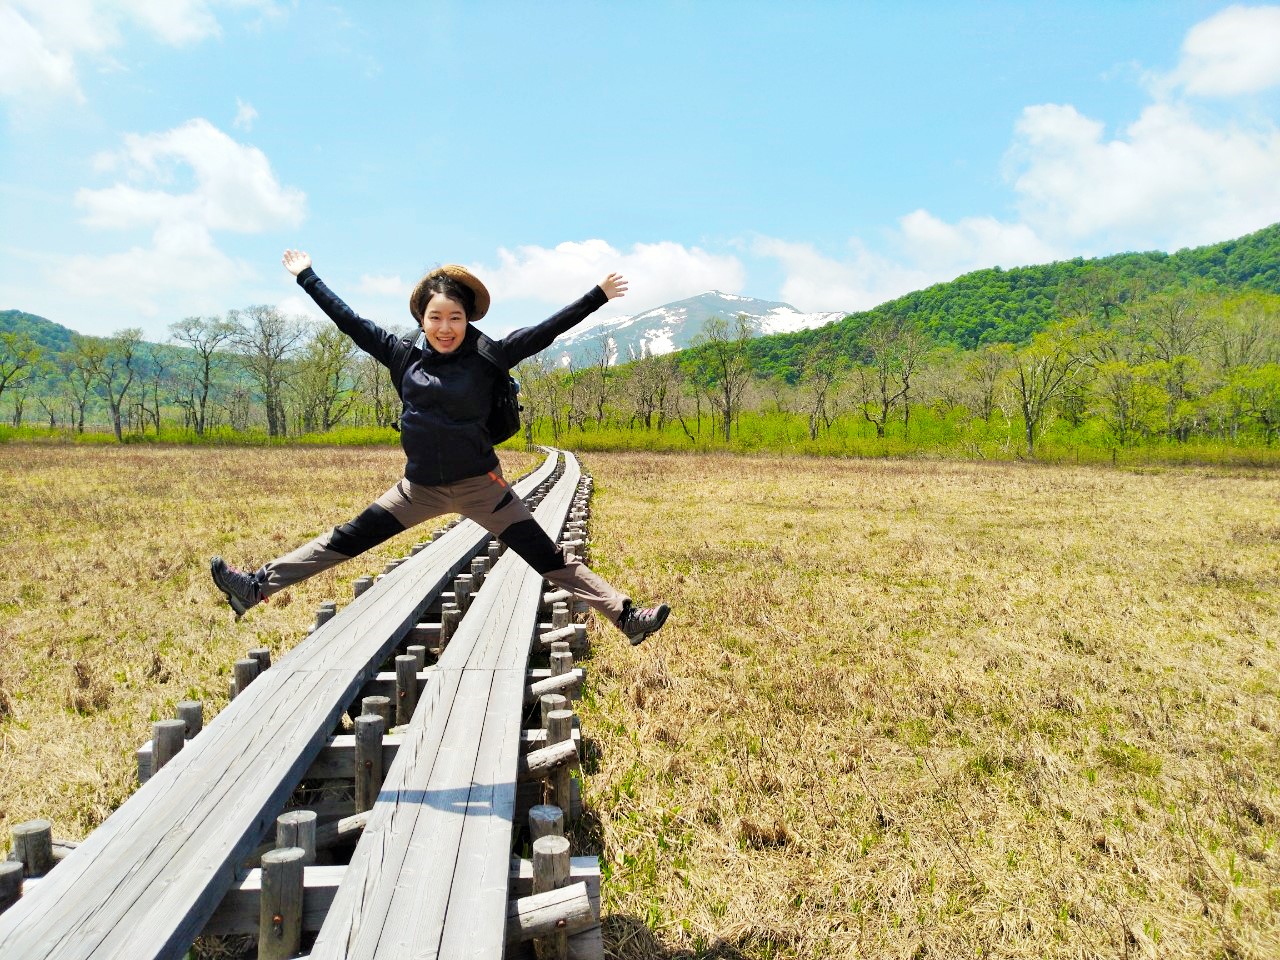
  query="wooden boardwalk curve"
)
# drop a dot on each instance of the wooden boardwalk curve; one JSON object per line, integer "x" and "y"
{"x": 432, "y": 872}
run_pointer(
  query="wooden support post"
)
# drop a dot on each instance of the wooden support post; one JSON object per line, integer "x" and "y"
{"x": 245, "y": 671}
{"x": 369, "y": 730}
{"x": 280, "y": 920}
{"x": 10, "y": 884}
{"x": 33, "y": 847}
{"x": 462, "y": 591}
{"x": 191, "y": 713}
{"x": 417, "y": 548}
{"x": 560, "y": 616}
{"x": 360, "y": 585}
{"x": 560, "y": 729}
{"x": 479, "y": 569}
{"x": 545, "y": 820}
{"x": 325, "y": 612}
{"x": 391, "y": 565}
{"x": 263, "y": 656}
{"x": 437, "y": 534}
{"x": 379, "y": 707}
{"x": 167, "y": 738}
{"x": 549, "y": 702}
{"x": 449, "y": 617}
{"x": 495, "y": 551}
{"x": 551, "y": 872}
{"x": 419, "y": 654}
{"x": 297, "y": 828}
{"x": 406, "y": 688}
{"x": 561, "y": 660}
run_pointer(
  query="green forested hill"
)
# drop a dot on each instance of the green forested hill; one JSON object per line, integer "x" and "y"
{"x": 995, "y": 305}
{"x": 52, "y": 337}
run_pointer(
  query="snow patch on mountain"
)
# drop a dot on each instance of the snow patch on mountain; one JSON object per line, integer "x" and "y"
{"x": 674, "y": 326}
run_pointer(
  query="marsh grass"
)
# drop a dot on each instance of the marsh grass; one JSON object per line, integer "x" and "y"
{"x": 902, "y": 708}
{"x": 909, "y": 709}
{"x": 107, "y": 614}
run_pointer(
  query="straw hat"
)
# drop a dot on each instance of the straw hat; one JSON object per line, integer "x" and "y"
{"x": 418, "y": 299}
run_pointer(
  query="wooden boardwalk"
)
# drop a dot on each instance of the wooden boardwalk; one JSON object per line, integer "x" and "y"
{"x": 432, "y": 871}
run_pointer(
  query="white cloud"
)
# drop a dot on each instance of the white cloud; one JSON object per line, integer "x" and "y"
{"x": 230, "y": 187}
{"x": 657, "y": 273}
{"x": 245, "y": 115}
{"x": 1167, "y": 181}
{"x": 42, "y": 40}
{"x": 1236, "y": 51}
{"x": 29, "y": 64}
{"x": 384, "y": 285}
{"x": 181, "y": 256}
{"x": 234, "y": 187}
{"x": 926, "y": 249}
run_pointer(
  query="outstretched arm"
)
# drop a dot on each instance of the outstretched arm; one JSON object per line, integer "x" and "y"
{"x": 368, "y": 336}
{"x": 525, "y": 342}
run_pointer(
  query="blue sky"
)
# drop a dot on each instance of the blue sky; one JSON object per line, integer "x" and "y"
{"x": 159, "y": 154}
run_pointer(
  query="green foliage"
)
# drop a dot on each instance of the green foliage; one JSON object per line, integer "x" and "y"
{"x": 1010, "y": 306}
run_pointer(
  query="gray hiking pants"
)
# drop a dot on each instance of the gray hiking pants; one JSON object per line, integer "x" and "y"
{"x": 486, "y": 499}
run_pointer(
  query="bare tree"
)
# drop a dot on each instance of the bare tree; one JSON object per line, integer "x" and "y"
{"x": 373, "y": 380}
{"x": 1040, "y": 371}
{"x": 76, "y": 363}
{"x": 266, "y": 340}
{"x": 819, "y": 372}
{"x": 895, "y": 347}
{"x": 325, "y": 379}
{"x": 984, "y": 369}
{"x": 114, "y": 363}
{"x": 204, "y": 335}
{"x": 1176, "y": 325}
{"x": 598, "y": 380}
{"x": 724, "y": 366}
{"x": 19, "y": 359}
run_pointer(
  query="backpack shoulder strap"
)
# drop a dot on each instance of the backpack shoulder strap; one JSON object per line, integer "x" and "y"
{"x": 400, "y": 354}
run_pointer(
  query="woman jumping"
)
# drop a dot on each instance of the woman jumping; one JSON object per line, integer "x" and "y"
{"x": 448, "y": 392}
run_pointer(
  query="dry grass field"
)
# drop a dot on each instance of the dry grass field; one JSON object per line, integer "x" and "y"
{"x": 902, "y": 709}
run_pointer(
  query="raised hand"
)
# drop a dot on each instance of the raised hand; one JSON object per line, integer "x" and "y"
{"x": 295, "y": 261}
{"x": 614, "y": 285}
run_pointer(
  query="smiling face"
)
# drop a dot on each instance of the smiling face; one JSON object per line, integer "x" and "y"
{"x": 445, "y": 323}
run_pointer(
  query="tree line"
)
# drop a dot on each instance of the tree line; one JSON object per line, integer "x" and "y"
{"x": 1169, "y": 366}
{"x": 251, "y": 369}
{"x": 1173, "y": 366}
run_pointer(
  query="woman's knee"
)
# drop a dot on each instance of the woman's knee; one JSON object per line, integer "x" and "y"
{"x": 531, "y": 542}
{"x": 373, "y": 526}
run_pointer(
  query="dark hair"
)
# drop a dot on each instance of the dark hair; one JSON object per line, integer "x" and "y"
{"x": 445, "y": 286}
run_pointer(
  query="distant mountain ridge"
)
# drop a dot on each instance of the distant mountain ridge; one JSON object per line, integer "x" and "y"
{"x": 674, "y": 326}
{"x": 1009, "y": 306}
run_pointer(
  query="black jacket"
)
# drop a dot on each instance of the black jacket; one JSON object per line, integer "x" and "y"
{"x": 446, "y": 395}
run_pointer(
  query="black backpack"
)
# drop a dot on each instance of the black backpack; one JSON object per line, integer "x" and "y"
{"x": 504, "y": 412}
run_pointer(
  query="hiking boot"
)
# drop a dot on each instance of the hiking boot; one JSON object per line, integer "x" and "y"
{"x": 639, "y": 623}
{"x": 241, "y": 589}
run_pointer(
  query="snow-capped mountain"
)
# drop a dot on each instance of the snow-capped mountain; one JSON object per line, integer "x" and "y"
{"x": 673, "y": 327}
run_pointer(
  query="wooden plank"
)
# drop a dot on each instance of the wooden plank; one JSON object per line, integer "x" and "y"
{"x": 145, "y": 883}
